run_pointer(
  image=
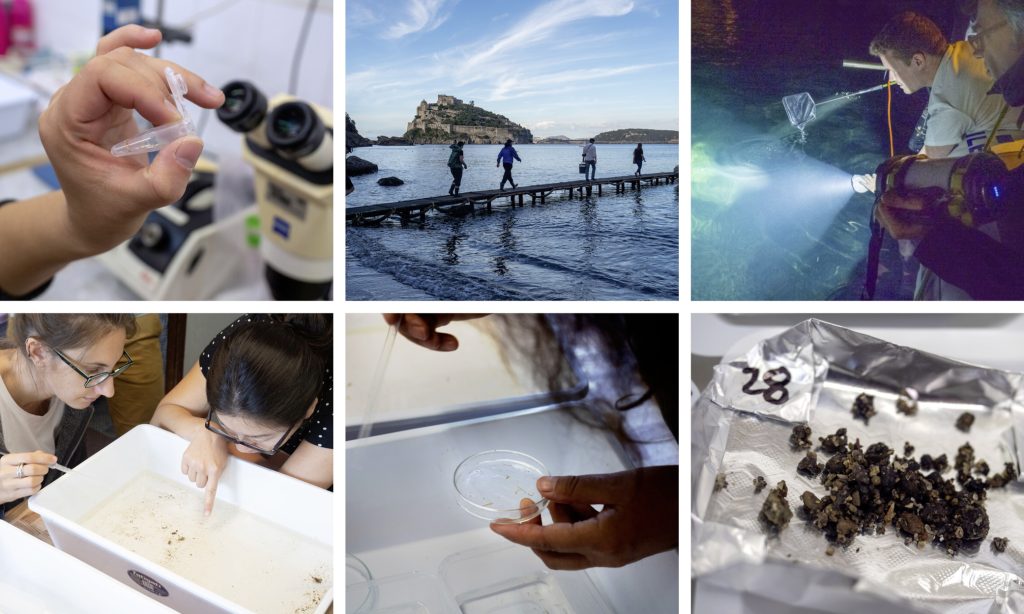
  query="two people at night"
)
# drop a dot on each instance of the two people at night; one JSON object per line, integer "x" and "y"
{"x": 976, "y": 94}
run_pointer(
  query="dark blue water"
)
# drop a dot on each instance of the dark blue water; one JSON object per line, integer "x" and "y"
{"x": 772, "y": 216}
{"x": 609, "y": 247}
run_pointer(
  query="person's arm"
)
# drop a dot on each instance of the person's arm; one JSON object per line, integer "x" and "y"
{"x": 975, "y": 262}
{"x": 103, "y": 199}
{"x": 183, "y": 412}
{"x": 312, "y": 464}
{"x": 937, "y": 151}
{"x": 39, "y": 235}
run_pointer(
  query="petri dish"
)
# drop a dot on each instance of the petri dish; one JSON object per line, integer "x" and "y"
{"x": 359, "y": 594}
{"x": 491, "y": 484}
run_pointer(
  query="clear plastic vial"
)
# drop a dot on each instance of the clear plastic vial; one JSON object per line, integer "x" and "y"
{"x": 158, "y": 137}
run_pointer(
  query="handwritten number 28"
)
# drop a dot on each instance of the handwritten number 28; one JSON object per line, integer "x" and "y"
{"x": 776, "y": 392}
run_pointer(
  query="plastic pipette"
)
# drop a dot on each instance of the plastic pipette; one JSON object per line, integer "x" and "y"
{"x": 57, "y": 466}
{"x": 378, "y": 378}
{"x": 158, "y": 137}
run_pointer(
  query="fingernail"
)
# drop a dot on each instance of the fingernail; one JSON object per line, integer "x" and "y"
{"x": 449, "y": 344}
{"x": 211, "y": 91}
{"x": 188, "y": 152}
{"x": 546, "y": 484}
{"x": 151, "y": 30}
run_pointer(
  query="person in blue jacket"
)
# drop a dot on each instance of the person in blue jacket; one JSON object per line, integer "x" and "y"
{"x": 505, "y": 157}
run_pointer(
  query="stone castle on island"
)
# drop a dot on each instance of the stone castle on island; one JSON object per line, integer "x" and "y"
{"x": 449, "y": 119}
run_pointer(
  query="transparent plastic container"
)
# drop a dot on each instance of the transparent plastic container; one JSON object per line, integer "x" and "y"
{"x": 357, "y": 573}
{"x": 492, "y": 484}
{"x": 510, "y": 579}
{"x": 409, "y": 593}
{"x": 158, "y": 137}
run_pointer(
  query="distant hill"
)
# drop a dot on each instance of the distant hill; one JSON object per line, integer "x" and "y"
{"x": 638, "y": 135}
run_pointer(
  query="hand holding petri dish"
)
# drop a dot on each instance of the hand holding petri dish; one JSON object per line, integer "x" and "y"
{"x": 491, "y": 485}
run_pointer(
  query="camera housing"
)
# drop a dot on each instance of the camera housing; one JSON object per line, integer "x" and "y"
{"x": 975, "y": 189}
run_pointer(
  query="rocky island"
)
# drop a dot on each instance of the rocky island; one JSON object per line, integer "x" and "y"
{"x": 451, "y": 119}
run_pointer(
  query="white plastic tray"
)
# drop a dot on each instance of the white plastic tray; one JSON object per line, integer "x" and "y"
{"x": 277, "y": 498}
{"x": 402, "y": 514}
{"x": 37, "y": 578}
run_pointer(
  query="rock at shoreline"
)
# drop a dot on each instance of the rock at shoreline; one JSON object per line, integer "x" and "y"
{"x": 355, "y": 166}
{"x": 389, "y": 181}
{"x": 393, "y": 140}
{"x": 352, "y": 136}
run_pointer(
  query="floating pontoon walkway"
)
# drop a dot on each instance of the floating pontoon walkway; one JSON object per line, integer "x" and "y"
{"x": 469, "y": 201}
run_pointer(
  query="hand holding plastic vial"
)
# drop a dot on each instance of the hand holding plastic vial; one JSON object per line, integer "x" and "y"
{"x": 107, "y": 195}
{"x": 158, "y": 137}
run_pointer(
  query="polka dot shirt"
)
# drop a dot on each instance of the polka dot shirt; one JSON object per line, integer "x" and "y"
{"x": 319, "y": 429}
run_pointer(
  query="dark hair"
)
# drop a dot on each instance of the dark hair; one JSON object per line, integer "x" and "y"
{"x": 591, "y": 140}
{"x": 508, "y": 143}
{"x": 461, "y": 143}
{"x": 906, "y": 34}
{"x": 62, "y": 331}
{"x": 271, "y": 371}
{"x": 637, "y": 343}
{"x": 639, "y": 145}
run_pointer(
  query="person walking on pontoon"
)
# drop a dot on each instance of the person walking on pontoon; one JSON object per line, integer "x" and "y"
{"x": 638, "y": 158}
{"x": 456, "y": 162}
{"x": 505, "y": 157}
{"x": 590, "y": 159}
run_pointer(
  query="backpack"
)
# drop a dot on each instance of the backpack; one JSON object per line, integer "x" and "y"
{"x": 453, "y": 160}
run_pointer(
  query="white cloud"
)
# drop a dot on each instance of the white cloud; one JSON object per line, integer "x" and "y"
{"x": 513, "y": 87}
{"x": 420, "y": 16}
{"x": 544, "y": 21}
{"x": 359, "y": 15}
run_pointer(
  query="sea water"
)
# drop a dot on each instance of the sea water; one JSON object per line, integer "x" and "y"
{"x": 606, "y": 247}
{"x": 234, "y": 553}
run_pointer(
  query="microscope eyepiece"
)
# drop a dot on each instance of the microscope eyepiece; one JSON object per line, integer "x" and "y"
{"x": 244, "y": 106}
{"x": 295, "y": 130}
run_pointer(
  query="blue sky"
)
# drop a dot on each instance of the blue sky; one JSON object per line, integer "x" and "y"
{"x": 572, "y": 67}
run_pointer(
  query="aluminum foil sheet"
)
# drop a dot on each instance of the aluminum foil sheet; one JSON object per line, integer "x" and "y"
{"x": 745, "y": 434}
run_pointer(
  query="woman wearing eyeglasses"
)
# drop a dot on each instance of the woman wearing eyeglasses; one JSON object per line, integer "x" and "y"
{"x": 52, "y": 368}
{"x": 262, "y": 391}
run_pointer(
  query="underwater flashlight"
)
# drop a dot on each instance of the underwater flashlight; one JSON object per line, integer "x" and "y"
{"x": 976, "y": 187}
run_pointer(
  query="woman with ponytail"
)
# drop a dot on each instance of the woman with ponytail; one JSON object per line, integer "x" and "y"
{"x": 261, "y": 390}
